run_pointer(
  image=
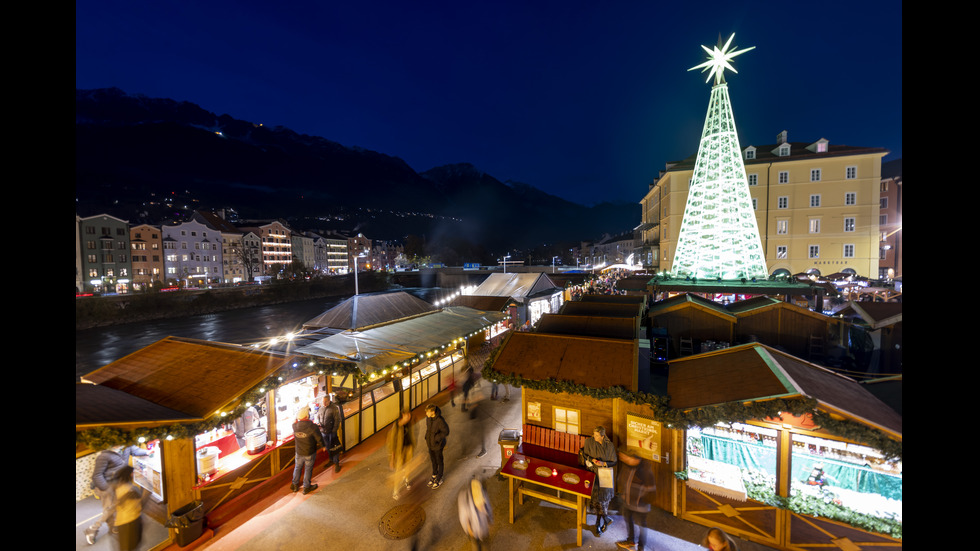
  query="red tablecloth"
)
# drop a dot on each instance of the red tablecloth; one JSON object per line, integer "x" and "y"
{"x": 582, "y": 487}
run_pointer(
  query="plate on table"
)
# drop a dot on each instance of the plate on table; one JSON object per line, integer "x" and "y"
{"x": 542, "y": 471}
{"x": 571, "y": 478}
{"x": 519, "y": 464}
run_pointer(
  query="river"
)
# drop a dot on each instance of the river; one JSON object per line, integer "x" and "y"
{"x": 100, "y": 346}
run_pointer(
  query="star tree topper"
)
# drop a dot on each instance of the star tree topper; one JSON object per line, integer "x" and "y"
{"x": 719, "y": 60}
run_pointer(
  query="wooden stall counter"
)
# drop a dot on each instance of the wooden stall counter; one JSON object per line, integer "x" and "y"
{"x": 523, "y": 472}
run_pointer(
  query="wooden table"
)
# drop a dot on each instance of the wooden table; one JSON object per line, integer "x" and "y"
{"x": 529, "y": 476}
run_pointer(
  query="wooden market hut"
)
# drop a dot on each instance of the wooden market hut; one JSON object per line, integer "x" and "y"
{"x": 179, "y": 381}
{"x": 690, "y": 320}
{"x": 783, "y": 325}
{"x": 882, "y": 321}
{"x": 755, "y": 375}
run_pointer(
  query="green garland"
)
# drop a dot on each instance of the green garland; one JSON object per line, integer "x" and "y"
{"x": 101, "y": 438}
{"x": 732, "y": 412}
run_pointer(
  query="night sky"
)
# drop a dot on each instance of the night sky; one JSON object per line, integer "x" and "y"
{"x": 587, "y": 100}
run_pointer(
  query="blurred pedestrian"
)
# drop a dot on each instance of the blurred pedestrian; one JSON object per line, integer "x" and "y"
{"x": 598, "y": 454}
{"x": 248, "y": 420}
{"x": 469, "y": 381}
{"x": 636, "y": 481}
{"x": 130, "y": 499}
{"x": 436, "y": 433}
{"x": 330, "y": 419}
{"x": 107, "y": 465}
{"x": 306, "y": 437}
{"x": 717, "y": 540}
{"x": 401, "y": 449}
{"x": 475, "y": 433}
{"x": 475, "y": 512}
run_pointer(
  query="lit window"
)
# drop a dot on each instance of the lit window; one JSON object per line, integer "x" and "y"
{"x": 814, "y": 225}
{"x": 781, "y": 252}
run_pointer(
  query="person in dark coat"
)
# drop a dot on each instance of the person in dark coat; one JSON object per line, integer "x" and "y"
{"x": 436, "y": 433}
{"x": 107, "y": 465}
{"x": 330, "y": 419}
{"x": 636, "y": 481}
{"x": 307, "y": 438}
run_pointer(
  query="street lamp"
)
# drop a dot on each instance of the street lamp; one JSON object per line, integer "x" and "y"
{"x": 553, "y": 264}
{"x": 362, "y": 255}
{"x": 505, "y": 263}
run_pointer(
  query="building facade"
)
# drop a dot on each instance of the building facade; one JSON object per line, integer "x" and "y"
{"x": 192, "y": 254}
{"x": 106, "y": 265}
{"x": 146, "y": 243}
{"x": 890, "y": 221}
{"x": 816, "y": 205}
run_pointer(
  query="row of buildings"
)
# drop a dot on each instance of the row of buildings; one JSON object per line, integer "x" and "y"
{"x": 820, "y": 208}
{"x": 112, "y": 256}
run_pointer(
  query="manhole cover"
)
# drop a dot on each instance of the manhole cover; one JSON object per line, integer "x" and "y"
{"x": 402, "y": 521}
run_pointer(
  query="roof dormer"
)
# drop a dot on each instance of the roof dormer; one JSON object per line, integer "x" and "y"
{"x": 782, "y": 150}
{"x": 749, "y": 152}
{"x": 819, "y": 146}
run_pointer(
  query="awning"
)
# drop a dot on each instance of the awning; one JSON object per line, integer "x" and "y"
{"x": 383, "y": 347}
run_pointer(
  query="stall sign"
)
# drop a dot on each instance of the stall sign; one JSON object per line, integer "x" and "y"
{"x": 534, "y": 411}
{"x": 643, "y": 437}
{"x": 804, "y": 421}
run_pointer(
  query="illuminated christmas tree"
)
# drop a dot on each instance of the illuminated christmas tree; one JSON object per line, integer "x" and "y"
{"x": 719, "y": 236}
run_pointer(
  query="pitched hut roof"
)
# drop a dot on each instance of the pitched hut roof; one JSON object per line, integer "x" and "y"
{"x": 195, "y": 378}
{"x": 687, "y": 300}
{"x": 99, "y": 406}
{"x": 518, "y": 286}
{"x": 362, "y": 311}
{"x": 755, "y": 372}
{"x": 490, "y": 304}
{"x": 590, "y": 361}
{"x": 756, "y": 305}
{"x": 379, "y": 347}
{"x": 875, "y": 314}
{"x": 587, "y": 326}
{"x": 607, "y": 309}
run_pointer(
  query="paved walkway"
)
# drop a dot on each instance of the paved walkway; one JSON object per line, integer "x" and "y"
{"x": 348, "y": 510}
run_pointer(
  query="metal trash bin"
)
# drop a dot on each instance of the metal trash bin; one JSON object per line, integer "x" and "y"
{"x": 188, "y": 521}
{"x": 509, "y": 439}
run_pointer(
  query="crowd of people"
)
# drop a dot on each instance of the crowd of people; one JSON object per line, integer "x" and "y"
{"x": 600, "y": 284}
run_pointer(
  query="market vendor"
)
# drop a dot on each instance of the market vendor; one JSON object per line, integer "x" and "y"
{"x": 599, "y": 454}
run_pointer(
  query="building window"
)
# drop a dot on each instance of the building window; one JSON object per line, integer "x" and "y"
{"x": 814, "y": 225}
{"x": 782, "y": 203}
{"x": 781, "y": 252}
{"x": 750, "y": 153}
{"x": 782, "y": 227}
{"x": 784, "y": 177}
{"x": 851, "y": 172}
{"x": 814, "y": 174}
{"x": 814, "y": 251}
{"x": 784, "y": 151}
{"x": 850, "y": 198}
{"x": 815, "y": 200}
{"x": 848, "y": 223}
{"x": 567, "y": 420}
{"x": 848, "y": 251}
{"x": 755, "y": 204}
{"x": 883, "y": 203}
{"x": 753, "y": 179}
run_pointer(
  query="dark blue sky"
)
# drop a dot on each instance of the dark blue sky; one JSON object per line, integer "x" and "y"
{"x": 587, "y": 100}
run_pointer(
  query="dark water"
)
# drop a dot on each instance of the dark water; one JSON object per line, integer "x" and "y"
{"x": 97, "y": 347}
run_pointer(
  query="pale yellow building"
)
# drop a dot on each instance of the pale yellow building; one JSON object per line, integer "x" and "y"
{"x": 146, "y": 242}
{"x": 816, "y": 204}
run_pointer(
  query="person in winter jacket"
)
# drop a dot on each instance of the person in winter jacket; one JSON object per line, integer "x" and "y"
{"x": 107, "y": 465}
{"x": 307, "y": 438}
{"x": 330, "y": 419}
{"x": 436, "y": 433}
{"x": 636, "y": 480}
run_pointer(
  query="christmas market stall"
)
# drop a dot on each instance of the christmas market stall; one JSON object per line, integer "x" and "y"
{"x": 783, "y": 452}
{"x": 532, "y": 294}
{"x": 394, "y": 366}
{"x": 215, "y": 418}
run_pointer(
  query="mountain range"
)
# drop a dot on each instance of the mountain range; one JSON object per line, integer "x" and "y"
{"x": 155, "y": 160}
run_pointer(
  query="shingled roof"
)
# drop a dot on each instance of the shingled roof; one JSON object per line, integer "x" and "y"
{"x": 755, "y": 372}
{"x": 195, "y": 378}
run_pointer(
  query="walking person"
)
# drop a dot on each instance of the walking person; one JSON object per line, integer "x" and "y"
{"x": 599, "y": 454}
{"x": 436, "y": 433}
{"x": 107, "y": 465}
{"x": 401, "y": 449}
{"x": 130, "y": 499}
{"x": 476, "y": 425}
{"x": 468, "y": 383}
{"x": 330, "y": 419}
{"x": 307, "y": 438}
{"x": 636, "y": 482}
{"x": 475, "y": 512}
